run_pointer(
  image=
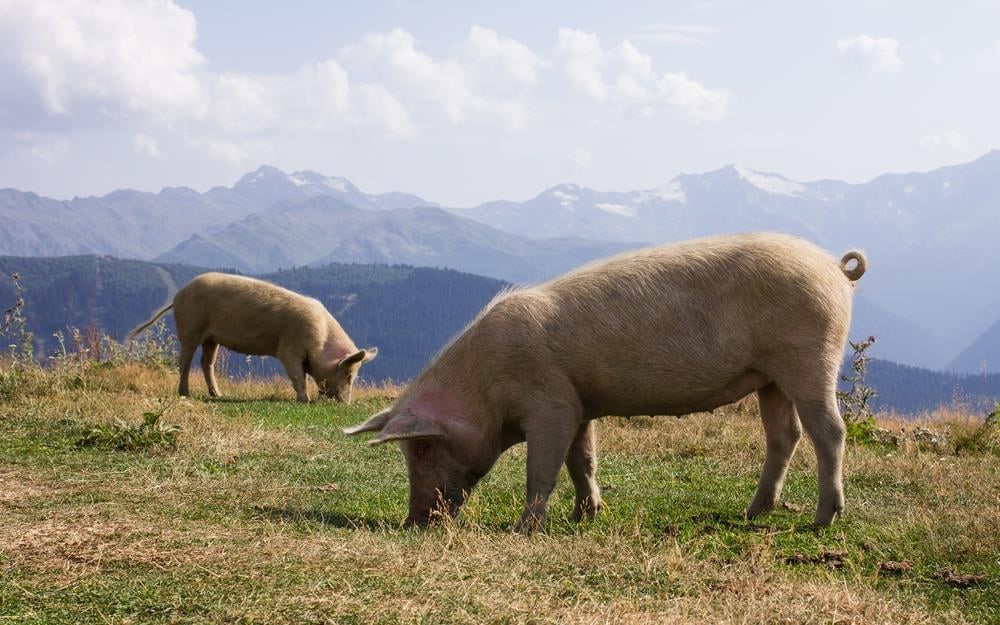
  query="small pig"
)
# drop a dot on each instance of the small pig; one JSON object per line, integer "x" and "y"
{"x": 258, "y": 318}
{"x": 667, "y": 330}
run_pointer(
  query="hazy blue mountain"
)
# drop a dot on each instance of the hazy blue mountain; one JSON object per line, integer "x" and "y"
{"x": 931, "y": 238}
{"x": 323, "y": 229}
{"x": 269, "y": 185}
{"x": 898, "y": 338}
{"x": 125, "y": 223}
{"x": 142, "y": 225}
{"x": 983, "y": 354}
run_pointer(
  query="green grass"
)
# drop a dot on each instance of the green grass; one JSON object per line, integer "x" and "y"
{"x": 265, "y": 513}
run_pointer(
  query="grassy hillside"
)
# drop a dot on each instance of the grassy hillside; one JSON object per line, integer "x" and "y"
{"x": 265, "y": 513}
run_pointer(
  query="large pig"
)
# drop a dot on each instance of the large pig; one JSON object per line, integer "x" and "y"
{"x": 666, "y": 330}
{"x": 258, "y": 318}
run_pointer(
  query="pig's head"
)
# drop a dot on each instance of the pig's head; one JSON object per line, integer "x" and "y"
{"x": 338, "y": 380}
{"x": 446, "y": 454}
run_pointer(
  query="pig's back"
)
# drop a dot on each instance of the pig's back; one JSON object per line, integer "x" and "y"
{"x": 693, "y": 314}
{"x": 244, "y": 314}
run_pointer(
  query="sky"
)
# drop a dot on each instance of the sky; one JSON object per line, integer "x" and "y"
{"x": 466, "y": 102}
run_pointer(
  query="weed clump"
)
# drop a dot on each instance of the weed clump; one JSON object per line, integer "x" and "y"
{"x": 151, "y": 434}
{"x": 855, "y": 405}
{"x": 982, "y": 439}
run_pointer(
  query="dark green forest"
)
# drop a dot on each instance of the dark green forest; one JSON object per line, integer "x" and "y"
{"x": 409, "y": 313}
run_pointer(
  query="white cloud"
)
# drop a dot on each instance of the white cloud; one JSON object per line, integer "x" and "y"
{"x": 691, "y": 97}
{"x": 583, "y": 57}
{"x": 870, "y": 54}
{"x": 92, "y": 62}
{"x": 686, "y": 34}
{"x": 144, "y": 144}
{"x": 450, "y": 86}
{"x": 487, "y": 50}
{"x": 133, "y": 67}
{"x": 316, "y": 96}
{"x": 582, "y": 158}
{"x": 943, "y": 141}
{"x": 383, "y": 110}
{"x": 631, "y": 80}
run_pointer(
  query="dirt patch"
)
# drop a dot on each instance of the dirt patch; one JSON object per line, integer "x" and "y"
{"x": 16, "y": 490}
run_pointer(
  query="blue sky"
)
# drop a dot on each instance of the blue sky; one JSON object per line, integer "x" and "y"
{"x": 463, "y": 102}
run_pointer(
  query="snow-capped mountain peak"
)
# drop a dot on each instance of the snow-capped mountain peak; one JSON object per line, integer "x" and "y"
{"x": 770, "y": 183}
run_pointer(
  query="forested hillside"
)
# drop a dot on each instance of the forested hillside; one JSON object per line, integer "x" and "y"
{"x": 408, "y": 313}
{"x": 913, "y": 390}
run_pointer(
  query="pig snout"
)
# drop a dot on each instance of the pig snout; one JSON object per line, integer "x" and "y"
{"x": 445, "y": 503}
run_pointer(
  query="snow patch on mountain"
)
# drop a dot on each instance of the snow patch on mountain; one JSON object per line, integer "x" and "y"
{"x": 617, "y": 209}
{"x": 670, "y": 192}
{"x": 565, "y": 199}
{"x": 770, "y": 183}
{"x": 337, "y": 184}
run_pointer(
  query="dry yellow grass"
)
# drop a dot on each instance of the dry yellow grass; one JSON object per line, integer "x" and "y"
{"x": 266, "y": 514}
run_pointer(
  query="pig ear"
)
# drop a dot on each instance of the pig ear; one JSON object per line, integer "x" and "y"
{"x": 359, "y": 357}
{"x": 406, "y": 425}
{"x": 373, "y": 424}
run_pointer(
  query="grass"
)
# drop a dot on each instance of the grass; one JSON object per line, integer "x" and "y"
{"x": 265, "y": 513}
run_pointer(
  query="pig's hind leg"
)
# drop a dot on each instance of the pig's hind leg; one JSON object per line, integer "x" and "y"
{"x": 184, "y": 364}
{"x": 821, "y": 420}
{"x": 782, "y": 432}
{"x": 582, "y": 465}
{"x": 209, "y": 352}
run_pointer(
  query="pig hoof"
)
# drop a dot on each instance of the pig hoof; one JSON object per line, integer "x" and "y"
{"x": 824, "y": 518}
{"x": 757, "y": 508}
{"x": 529, "y": 524}
{"x": 586, "y": 510}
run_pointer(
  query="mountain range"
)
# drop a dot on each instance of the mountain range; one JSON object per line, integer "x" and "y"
{"x": 931, "y": 294}
{"x": 325, "y": 229}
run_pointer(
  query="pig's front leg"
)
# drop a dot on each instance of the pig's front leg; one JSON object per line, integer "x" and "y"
{"x": 547, "y": 449}
{"x": 296, "y": 373}
{"x": 582, "y": 465}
